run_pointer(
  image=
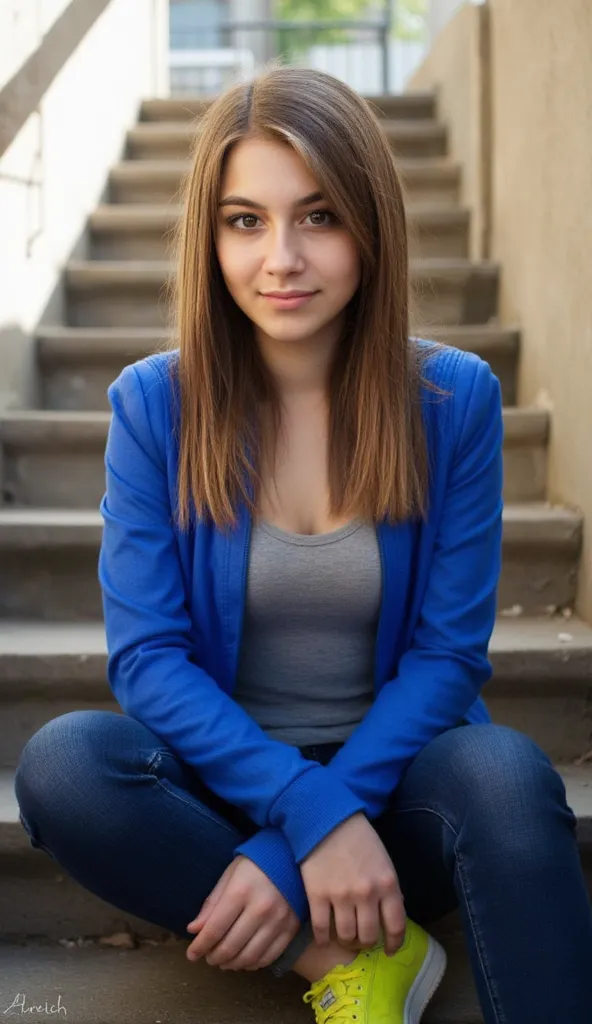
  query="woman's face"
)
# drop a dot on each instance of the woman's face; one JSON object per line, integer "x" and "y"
{"x": 277, "y": 244}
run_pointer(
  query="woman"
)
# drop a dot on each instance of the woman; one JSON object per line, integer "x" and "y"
{"x": 301, "y": 550}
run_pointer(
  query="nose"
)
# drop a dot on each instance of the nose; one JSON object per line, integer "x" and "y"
{"x": 282, "y": 251}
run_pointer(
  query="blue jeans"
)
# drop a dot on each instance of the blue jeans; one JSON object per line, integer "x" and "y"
{"x": 479, "y": 821}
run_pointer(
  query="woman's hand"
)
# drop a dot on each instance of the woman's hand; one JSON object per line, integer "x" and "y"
{"x": 351, "y": 874}
{"x": 245, "y": 923}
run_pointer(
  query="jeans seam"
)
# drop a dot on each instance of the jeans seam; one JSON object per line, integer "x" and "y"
{"x": 478, "y": 944}
{"x": 464, "y": 887}
{"x": 34, "y": 842}
{"x": 203, "y": 809}
{"x": 157, "y": 757}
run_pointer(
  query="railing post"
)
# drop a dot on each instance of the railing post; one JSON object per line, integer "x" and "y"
{"x": 386, "y": 42}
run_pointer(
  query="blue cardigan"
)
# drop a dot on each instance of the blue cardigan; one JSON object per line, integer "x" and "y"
{"x": 173, "y": 604}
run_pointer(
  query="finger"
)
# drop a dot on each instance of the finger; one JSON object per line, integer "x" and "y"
{"x": 222, "y": 918}
{"x": 211, "y": 900}
{"x": 234, "y": 941}
{"x": 346, "y": 925}
{"x": 368, "y": 922}
{"x": 200, "y": 920}
{"x": 252, "y": 952}
{"x": 393, "y": 916}
{"x": 275, "y": 950}
{"x": 320, "y": 919}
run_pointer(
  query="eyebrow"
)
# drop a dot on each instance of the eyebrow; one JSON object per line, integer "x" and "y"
{"x": 242, "y": 201}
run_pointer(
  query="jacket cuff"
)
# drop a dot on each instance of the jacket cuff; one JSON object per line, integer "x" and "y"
{"x": 311, "y": 807}
{"x": 270, "y": 850}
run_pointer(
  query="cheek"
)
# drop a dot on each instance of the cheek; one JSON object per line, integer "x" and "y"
{"x": 234, "y": 263}
{"x": 343, "y": 263}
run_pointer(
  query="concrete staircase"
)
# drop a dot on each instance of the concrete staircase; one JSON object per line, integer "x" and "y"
{"x": 57, "y": 937}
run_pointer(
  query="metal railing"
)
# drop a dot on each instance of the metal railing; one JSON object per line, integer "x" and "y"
{"x": 294, "y": 42}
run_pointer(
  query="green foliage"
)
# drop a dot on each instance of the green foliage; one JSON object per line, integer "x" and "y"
{"x": 410, "y": 19}
{"x": 294, "y": 42}
{"x": 408, "y": 22}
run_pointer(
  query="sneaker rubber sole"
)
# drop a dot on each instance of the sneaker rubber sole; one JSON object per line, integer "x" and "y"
{"x": 426, "y": 982}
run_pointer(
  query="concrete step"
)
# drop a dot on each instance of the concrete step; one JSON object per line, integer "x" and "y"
{"x": 77, "y": 364}
{"x": 49, "y": 561}
{"x": 408, "y": 138}
{"x": 135, "y": 231}
{"x": 426, "y": 179}
{"x": 136, "y": 293}
{"x": 55, "y": 459}
{"x": 498, "y": 345}
{"x": 151, "y": 980}
{"x": 412, "y": 105}
{"x": 542, "y": 679}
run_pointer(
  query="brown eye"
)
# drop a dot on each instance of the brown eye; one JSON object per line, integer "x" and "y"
{"x": 323, "y": 213}
{"x": 231, "y": 221}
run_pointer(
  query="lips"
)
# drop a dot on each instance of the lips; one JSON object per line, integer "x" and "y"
{"x": 288, "y": 302}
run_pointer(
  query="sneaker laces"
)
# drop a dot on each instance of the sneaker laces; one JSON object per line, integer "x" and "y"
{"x": 335, "y": 996}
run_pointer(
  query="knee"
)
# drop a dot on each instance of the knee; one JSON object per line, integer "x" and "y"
{"x": 507, "y": 784}
{"x": 496, "y": 759}
{"x": 54, "y": 757}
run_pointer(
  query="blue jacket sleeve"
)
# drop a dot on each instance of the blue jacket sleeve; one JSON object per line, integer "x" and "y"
{"x": 439, "y": 677}
{"x": 152, "y": 666}
{"x": 271, "y": 852}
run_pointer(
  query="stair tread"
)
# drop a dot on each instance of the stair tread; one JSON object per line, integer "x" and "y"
{"x": 50, "y": 416}
{"x": 59, "y": 337}
{"x": 20, "y": 425}
{"x": 110, "y": 216}
{"x": 420, "y": 127}
{"x": 52, "y": 331}
{"x": 527, "y": 634}
{"x": 529, "y": 511}
{"x": 46, "y": 639}
{"x": 457, "y": 271}
{"x": 193, "y": 104}
{"x": 526, "y": 511}
{"x": 432, "y": 263}
{"x": 436, "y": 166}
{"x": 49, "y": 517}
{"x": 530, "y": 634}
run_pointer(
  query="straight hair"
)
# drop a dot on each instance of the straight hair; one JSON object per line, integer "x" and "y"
{"x": 229, "y": 405}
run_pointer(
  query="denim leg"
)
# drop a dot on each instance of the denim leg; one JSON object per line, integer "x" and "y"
{"x": 105, "y": 798}
{"x": 480, "y": 819}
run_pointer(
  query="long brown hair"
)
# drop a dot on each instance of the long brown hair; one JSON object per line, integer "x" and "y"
{"x": 377, "y": 460}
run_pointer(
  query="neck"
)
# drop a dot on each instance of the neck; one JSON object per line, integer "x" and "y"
{"x": 301, "y": 368}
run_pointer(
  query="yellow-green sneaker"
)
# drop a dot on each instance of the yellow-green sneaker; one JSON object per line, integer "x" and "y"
{"x": 378, "y": 989}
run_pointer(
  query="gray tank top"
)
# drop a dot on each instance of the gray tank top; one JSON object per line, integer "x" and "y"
{"x": 306, "y": 662}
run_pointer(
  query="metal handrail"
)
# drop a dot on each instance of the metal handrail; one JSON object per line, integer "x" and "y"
{"x": 240, "y": 26}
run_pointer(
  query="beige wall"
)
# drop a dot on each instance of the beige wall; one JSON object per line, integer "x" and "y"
{"x": 438, "y": 14}
{"x": 540, "y": 208}
{"x": 542, "y": 227}
{"x": 55, "y": 170}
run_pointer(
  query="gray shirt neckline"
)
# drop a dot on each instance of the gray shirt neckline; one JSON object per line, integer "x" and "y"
{"x": 308, "y": 539}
